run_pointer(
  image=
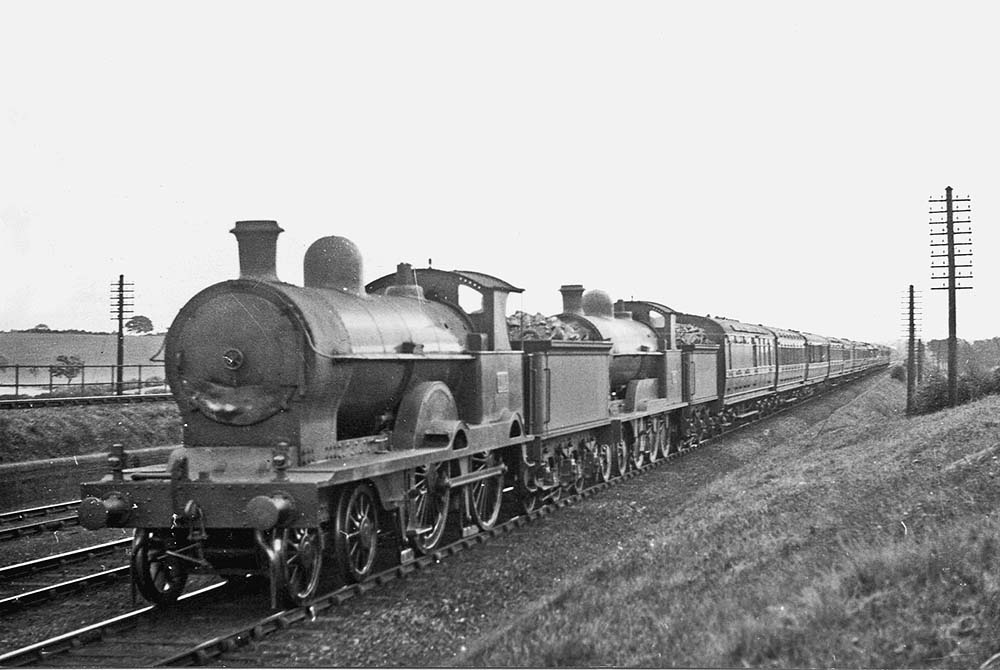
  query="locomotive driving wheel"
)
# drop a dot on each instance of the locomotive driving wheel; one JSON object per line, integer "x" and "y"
{"x": 157, "y": 573}
{"x": 635, "y": 449}
{"x": 658, "y": 446}
{"x": 355, "y": 532}
{"x": 301, "y": 563}
{"x": 429, "y": 497}
{"x": 483, "y": 498}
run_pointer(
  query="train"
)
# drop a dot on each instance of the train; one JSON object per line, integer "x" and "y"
{"x": 330, "y": 424}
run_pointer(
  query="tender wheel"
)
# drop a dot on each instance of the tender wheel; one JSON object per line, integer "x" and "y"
{"x": 621, "y": 458}
{"x": 158, "y": 576}
{"x": 302, "y": 562}
{"x": 605, "y": 460}
{"x": 355, "y": 536}
{"x": 526, "y": 493}
{"x": 577, "y": 485}
{"x": 483, "y": 498}
{"x": 528, "y": 500}
{"x": 429, "y": 506}
{"x": 636, "y": 455}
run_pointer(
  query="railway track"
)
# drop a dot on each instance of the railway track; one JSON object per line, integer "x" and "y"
{"x": 140, "y": 638}
{"x": 31, "y": 403}
{"x": 52, "y": 652}
{"x": 96, "y": 644}
{"x": 11, "y": 574}
{"x": 34, "y": 520}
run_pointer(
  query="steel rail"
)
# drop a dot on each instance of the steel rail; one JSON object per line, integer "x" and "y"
{"x": 58, "y": 560}
{"x": 39, "y": 527}
{"x": 32, "y": 403}
{"x": 46, "y": 592}
{"x": 42, "y": 510}
{"x": 88, "y": 634}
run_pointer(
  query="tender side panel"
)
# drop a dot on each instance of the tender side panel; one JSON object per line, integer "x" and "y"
{"x": 568, "y": 384}
{"x": 671, "y": 378}
{"x": 701, "y": 373}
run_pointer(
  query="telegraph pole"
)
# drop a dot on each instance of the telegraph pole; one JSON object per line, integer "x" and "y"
{"x": 121, "y": 306}
{"x": 951, "y": 273}
{"x": 911, "y": 344}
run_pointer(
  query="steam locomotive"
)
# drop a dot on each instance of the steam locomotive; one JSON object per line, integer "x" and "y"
{"x": 320, "y": 420}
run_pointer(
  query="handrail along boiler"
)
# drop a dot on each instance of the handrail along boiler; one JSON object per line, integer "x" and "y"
{"x": 320, "y": 418}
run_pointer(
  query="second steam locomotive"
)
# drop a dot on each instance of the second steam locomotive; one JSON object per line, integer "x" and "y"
{"x": 320, "y": 419}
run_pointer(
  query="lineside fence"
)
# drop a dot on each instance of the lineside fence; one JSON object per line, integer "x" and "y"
{"x": 83, "y": 380}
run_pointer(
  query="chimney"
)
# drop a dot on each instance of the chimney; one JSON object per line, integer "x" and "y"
{"x": 258, "y": 244}
{"x": 572, "y": 295}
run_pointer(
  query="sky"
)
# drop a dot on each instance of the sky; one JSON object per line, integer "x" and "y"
{"x": 765, "y": 161}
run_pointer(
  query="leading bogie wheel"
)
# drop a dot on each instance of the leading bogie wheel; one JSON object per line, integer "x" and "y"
{"x": 429, "y": 497}
{"x": 355, "y": 532}
{"x": 302, "y": 563}
{"x": 483, "y": 498}
{"x": 159, "y": 576}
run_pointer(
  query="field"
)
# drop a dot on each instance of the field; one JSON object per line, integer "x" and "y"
{"x": 39, "y": 350}
{"x": 858, "y": 539}
{"x": 42, "y": 348}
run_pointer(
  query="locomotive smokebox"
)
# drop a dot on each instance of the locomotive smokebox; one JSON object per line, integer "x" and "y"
{"x": 334, "y": 262}
{"x": 258, "y": 242}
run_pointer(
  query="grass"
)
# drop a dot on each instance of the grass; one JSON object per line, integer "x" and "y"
{"x": 31, "y": 434}
{"x": 863, "y": 539}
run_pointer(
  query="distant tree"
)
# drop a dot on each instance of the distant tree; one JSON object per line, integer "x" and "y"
{"x": 69, "y": 367}
{"x": 139, "y": 324}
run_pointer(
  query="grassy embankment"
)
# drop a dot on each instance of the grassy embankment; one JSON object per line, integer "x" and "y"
{"x": 863, "y": 540}
{"x": 32, "y": 434}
